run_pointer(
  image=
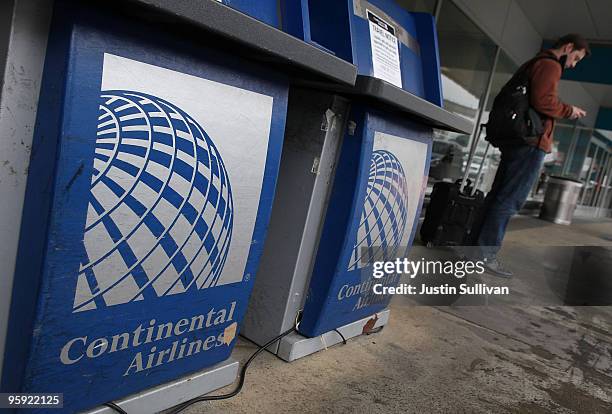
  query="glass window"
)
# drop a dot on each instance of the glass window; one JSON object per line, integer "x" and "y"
{"x": 504, "y": 70}
{"x": 563, "y": 135}
{"x": 587, "y": 190}
{"x": 578, "y": 161}
{"x": 588, "y": 161}
{"x": 565, "y": 121}
{"x": 466, "y": 59}
{"x": 595, "y": 163}
{"x": 602, "y": 169}
{"x": 598, "y": 164}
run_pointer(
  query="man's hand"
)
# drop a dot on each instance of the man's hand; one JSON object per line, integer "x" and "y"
{"x": 577, "y": 113}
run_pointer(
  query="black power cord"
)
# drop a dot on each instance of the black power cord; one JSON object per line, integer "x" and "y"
{"x": 341, "y": 336}
{"x": 243, "y": 371}
{"x": 186, "y": 404}
{"x": 115, "y": 407}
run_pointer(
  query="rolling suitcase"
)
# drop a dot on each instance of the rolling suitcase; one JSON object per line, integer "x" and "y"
{"x": 454, "y": 208}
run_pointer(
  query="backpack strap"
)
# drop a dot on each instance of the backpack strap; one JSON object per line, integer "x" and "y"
{"x": 527, "y": 65}
{"x": 535, "y": 59}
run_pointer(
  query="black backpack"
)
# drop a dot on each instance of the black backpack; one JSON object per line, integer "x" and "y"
{"x": 512, "y": 120}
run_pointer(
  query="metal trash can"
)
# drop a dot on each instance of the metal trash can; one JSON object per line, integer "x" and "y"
{"x": 560, "y": 200}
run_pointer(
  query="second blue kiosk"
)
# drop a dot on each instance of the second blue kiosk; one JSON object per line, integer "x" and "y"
{"x": 361, "y": 200}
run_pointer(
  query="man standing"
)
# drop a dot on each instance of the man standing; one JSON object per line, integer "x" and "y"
{"x": 520, "y": 164}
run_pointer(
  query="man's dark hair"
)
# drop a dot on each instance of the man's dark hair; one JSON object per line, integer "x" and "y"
{"x": 579, "y": 42}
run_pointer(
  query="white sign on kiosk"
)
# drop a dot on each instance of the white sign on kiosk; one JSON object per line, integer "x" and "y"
{"x": 385, "y": 50}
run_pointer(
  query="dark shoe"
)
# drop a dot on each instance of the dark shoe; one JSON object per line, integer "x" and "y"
{"x": 494, "y": 267}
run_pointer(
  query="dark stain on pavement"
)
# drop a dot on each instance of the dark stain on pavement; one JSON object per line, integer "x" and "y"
{"x": 569, "y": 396}
{"x": 561, "y": 312}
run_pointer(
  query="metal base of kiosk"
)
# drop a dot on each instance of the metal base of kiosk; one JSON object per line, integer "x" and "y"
{"x": 168, "y": 395}
{"x": 295, "y": 346}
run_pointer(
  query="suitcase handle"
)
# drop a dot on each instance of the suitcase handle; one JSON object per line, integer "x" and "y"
{"x": 471, "y": 157}
{"x": 459, "y": 180}
{"x": 479, "y": 174}
{"x": 467, "y": 186}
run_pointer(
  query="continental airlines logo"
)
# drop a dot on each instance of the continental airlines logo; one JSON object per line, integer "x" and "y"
{"x": 384, "y": 215}
{"x": 160, "y": 213}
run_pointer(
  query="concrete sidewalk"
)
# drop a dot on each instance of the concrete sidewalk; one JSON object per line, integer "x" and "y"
{"x": 459, "y": 359}
{"x": 531, "y": 231}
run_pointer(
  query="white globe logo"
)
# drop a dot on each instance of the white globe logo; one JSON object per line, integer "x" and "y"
{"x": 384, "y": 214}
{"x": 160, "y": 213}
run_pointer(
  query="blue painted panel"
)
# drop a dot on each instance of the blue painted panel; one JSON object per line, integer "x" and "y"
{"x": 375, "y": 203}
{"x": 604, "y": 119}
{"x": 339, "y": 28}
{"x": 324, "y": 20}
{"x": 264, "y": 10}
{"x": 594, "y": 69}
{"x": 144, "y": 216}
{"x": 428, "y": 35}
{"x": 296, "y": 19}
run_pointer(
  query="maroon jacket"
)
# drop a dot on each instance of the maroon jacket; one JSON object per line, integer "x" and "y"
{"x": 544, "y": 76}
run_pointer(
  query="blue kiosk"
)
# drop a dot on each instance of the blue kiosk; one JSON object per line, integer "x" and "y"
{"x": 382, "y": 39}
{"x": 153, "y": 170}
{"x": 367, "y": 208}
{"x": 265, "y": 11}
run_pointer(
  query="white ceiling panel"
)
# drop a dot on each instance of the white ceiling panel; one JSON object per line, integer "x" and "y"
{"x": 528, "y": 21}
{"x": 592, "y": 19}
{"x": 601, "y": 12}
{"x": 554, "y": 18}
{"x": 491, "y": 15}
{"x": 520, "y": 38}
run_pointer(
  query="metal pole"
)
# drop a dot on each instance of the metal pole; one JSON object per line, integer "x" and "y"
{"x": 588, "y": 177}
{"x": 487, "y": 91}
{"x": 437, "y": 8}
{"x": 602, "y": 178}
{"x": 605, "y": 203}
{"x": 484, "y": 101}
{"x": 600, "y": 164}
{"x": 598, "y": 202}
{"x": 606, "y": 184}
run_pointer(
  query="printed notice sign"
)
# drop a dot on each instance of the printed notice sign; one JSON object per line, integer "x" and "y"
{"x": 385, "y": 51}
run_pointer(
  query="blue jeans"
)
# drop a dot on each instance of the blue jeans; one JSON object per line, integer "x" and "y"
{"x": 516, "y": 175}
